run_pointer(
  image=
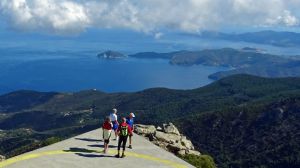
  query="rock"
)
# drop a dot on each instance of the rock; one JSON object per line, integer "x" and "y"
{"x": 169, "y": 138}
{"x": 2, "y": 158}
{"x": 159, "y": 128}
{"x": 187, "y": 143}
{"x": 175, "y": 148}
{"x": 181, "y": 152}
{"x": 170, "y": 129}
{"x": 193, "y": 152}
{"x": 152, "y": 137}
{"x": 145, "y": 130}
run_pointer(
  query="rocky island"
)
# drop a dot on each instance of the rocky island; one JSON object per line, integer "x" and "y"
{"x": 111, "y": 55}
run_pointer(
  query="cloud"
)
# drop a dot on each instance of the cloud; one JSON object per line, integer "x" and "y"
{"x": 149, "y": 16}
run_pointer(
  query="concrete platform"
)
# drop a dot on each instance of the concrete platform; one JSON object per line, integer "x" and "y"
{"x": 85, "y": 151}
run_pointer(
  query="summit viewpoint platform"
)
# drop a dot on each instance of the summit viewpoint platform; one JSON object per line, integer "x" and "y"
{"x": 85, "y": 151}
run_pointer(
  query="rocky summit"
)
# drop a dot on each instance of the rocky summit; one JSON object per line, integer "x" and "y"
{"x": 168, "y": 137}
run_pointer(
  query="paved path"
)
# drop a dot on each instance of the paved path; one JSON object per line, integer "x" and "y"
{"x": 84, "y": 151}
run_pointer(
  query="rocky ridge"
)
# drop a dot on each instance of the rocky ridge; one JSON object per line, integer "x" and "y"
{"x": 167, "y": 137}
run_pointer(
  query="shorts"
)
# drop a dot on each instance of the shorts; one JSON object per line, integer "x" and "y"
{"x": 106, "y": 134}
{"x": 106, "y": 141}
{"x": 115, "y": 126}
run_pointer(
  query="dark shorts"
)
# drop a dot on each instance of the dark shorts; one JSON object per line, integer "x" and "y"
{"x": 106, "y": 141}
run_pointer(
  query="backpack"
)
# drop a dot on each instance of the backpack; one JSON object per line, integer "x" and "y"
{"x": 124, "y": 130}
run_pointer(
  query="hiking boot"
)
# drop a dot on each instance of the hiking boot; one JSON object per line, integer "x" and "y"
{"x": 117, "y": 156}
{"x": 130, "y": 147}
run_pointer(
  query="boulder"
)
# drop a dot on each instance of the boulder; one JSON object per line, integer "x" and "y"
{"x": 193, "y": 152}
{"x": 159, "y": 128}
{"x": 145, "y": 130}
{"x": 175, "y": 148}
{"x": 170, "y": 129}
{"x": 187, "y": 143}
{"x": 181, "y": 152}
{"x": 169, "y": 138}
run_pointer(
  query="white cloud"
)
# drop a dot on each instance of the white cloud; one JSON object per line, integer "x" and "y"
{"x": 74, "y": 16}
{"x": 158, "y": 35}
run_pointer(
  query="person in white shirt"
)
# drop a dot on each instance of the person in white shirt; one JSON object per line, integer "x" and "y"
{"x": 114, "y": 119}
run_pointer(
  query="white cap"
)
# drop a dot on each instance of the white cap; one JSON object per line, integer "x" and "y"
{"x": 114, "y": 110}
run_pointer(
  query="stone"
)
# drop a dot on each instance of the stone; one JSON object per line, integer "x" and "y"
{"x": 193, "y": 152}
{"x": 181, "y": 152}
{"x": 151, "y": 137}
{"x": 175, "y": 147}
{"x": 145, "y": 130}
{"x": 170, "y": 129}
{"x": 159, "y": 128}
{"x": 169, "y": 138}
{"x": 187, "y": 143}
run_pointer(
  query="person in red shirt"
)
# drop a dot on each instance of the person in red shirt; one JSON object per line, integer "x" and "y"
{"x": 107, "y": 129}
{"x": 124, "y": 131}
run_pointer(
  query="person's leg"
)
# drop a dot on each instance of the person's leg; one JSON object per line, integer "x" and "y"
{"x": 116, "y": 134}
{"x": 124, "y": 146}
{"x": 105, "y": 147}
{"x": 130, "y": 141}
{"x": 119, "y": 146}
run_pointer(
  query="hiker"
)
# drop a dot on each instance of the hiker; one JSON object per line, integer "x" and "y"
{"x": 114, "y": 119}
{"x": 106, "y": 127}
{"x": 130, "y": 122}
{"x": 124, "y": 131}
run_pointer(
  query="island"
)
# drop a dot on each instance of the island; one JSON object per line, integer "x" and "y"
{"x": 109, "y": 54}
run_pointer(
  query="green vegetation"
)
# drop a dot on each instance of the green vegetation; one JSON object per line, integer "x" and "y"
{"x": 203, "y": 161}
{"x": 244, "y": 61}
{"x": 241, "y": 120}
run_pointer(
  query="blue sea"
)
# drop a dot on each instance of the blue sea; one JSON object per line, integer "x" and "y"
{"x": 68, "y": 64}
{"x": 69, "y": 72}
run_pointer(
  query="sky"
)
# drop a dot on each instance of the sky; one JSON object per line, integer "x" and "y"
{"x": 22, "y": 20}
{"x": 69, "y": 17}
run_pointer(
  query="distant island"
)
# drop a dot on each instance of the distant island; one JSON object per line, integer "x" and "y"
{"x": 111, "y": 55}
{"x": 269, "y": 37}
{"x": 247, "y": 60}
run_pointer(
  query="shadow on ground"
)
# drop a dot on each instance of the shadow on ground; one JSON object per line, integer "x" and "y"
{"x": 94, "y": 155}
{"x": 89, "y": 139}
{"x": 102, "y": 146}
{"x": 87, "y": 153}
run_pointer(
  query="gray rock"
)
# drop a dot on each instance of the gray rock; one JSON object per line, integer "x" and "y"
{"x": 145, "y": 130}
{"x": 175, "y": 147}
{"x": 182, "y": 152}
{"x": 193, "y": 152}
{"x": 187, "y": 143}
{"x": 169, "y": 138}
{"x": 159, "y": 128}
{"x": 170, "y": 129}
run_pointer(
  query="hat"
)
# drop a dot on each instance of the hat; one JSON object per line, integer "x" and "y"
{"x": 114, "y": 110}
